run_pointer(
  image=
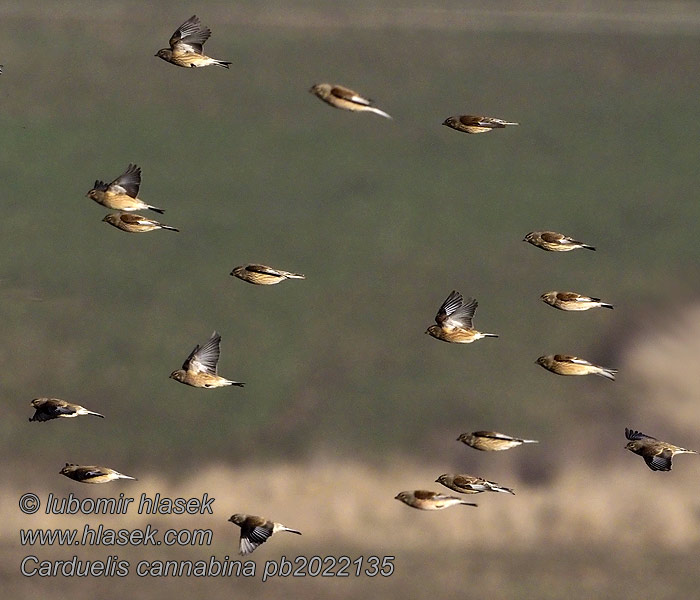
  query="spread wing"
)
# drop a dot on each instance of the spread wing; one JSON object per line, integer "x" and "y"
{"x": 190, "y": 36}
{"x": 455, "y": 312}
{"x": 344, "y": 93}
{"x": 631, "y": 434}
{"x": 100, "y": 186}
{"x": 204, "y": 358}
{"x": 660, "y": 462}
{"x": 128, "y": 182}
{"x": 252, "y": 537}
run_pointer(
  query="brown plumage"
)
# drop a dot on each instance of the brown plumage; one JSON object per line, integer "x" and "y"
{"x": 468, "y": 484}
{"x": 475, "y": 123}
{"x": 344, "y": 98}
{"x": 92, "y": 473}
{"x": 492, "y": 441}
{"x": 263, "y": 275}
{"x": 565, "y": 364}
{"x": 427, "y": 500}
{"x": 186, "y": 46}
{"x": 122, "y": 193}
{"x": 656, "y": 454}
{"x": 55, "y": 408}
{"x": 134, "y": 223}
{"x": 256, "y": 530}
{"x": 454, "y": 321}
{"x": 199, "y": 369}
{"x": 571, "y": 301}
{"x": 554, "y": 242}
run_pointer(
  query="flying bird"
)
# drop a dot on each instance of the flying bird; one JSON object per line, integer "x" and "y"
{"x": 134, "y": 223}
{"x": 565, "y": 364}
{"x": 468, "y": 484}
{"x": 571, "y": 301}
{"x": 92, "y": 474}
{"x": 656, "y": 454}
{"x": 186, "y": 46}
{"x": 122, "y": 193}
{"x": 55, "y": 408}
{"x": 344, "y": 98}
{"x": 491, "y": 441}
{"x": 199, "y": 369}
{"x": 554, "y": 242}
{"x": 263, "y": 275}
{"x": 427, "y": 500}
{"x": 256, "y": 530}
{"x": 454, "y": 321}
{"x": 475, "y": 124}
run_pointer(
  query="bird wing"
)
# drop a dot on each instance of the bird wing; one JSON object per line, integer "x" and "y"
{"x": 252, "y": 537}
{"x": 100, "y": 186}
{"x": 204, "y": 358}
{"x": 632, "y": 434}
{"x": 344, "y": 93}
{"x": 190, "y": 36}
{"x": 263, "y": 269}
{"x": 466, "y": 481}
{"x": 553, "y": 238}
{"x": 455, "y": 312}
{"x": 128, "y": 182}
{"x": 572, "y": 297}
{"x": 479, "y": 121}
{"x": 425, "y": 495}
{"x": 90, "y": 472}
{"x": 660, "y": 462}
{"x": 494, "y": 435}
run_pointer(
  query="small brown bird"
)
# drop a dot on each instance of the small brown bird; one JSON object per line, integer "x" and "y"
{"x": 344, "y": 98}
{"x": 256, "y": 531}
{"x": 426, "y": 500}
{"x": 454, "y": 321}
{"x": 263, "y": 275}
{"x": 134, "y": 223}
{"x": 565, "y": 364}
{"x": 656, "y": 454}
{"x": 199, "y": 369}
{"x": 122, "y": 193}
{"x": 186, "y": 46}
{"x": 54, "y": 408}
{"x": 554, "y": 242}
{"x": 92, "y": 474}
{"x": 468, "y": 484}
{"x": 571, "y": 301}
{"x": 475, "y": 124}
{"x": 491, "y": 441}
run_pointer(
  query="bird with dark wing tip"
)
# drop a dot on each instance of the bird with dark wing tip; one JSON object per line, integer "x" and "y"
{"x": 344, "y": 98}
{"x": 571, "y": 301}
{"x": 186, "y": 46}
{"x": 475, "y": 123}
{"x": 468, "y": 484}
{"x": 427, "y": 500}
{"x": 554, "y": 242}
{"x": 256, "y": 530}
{"x": 565, "y": 364}
{"x": 263, "y": 275}
{"x": 134, "y": 223}
{"x": 122, "y": 193}
{"x": 55, "y": 408}
{"x": 454, "y": 321}
{"x": 92, "y": 474}
{"x": 656, "y": 454}
{"x": 200, "y": 367}
{"x": 492, "y": 441}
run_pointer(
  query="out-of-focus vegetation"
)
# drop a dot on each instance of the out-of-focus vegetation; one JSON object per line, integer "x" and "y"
{"x": 384, "y": 218}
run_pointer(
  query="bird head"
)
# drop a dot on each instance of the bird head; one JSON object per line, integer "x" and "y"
{"x": 237, "y": 518}
{"x": 178, "y": 375}
{"x": 548, "y": 297}
{"x": 164, "y": 53}
{"x": 529, "y": 237}
{"x": 442, "y": 479}
{"x": 450, "y": 121}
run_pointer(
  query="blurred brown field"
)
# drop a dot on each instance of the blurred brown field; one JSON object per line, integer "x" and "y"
{"x": 347, "y": 402}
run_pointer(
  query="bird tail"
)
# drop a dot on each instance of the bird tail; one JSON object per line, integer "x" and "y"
{"x": 607, "y": 373}
{"x": 122, "y": 476}
{"x": 465, "y": 503}
{"x": 96, "y": 414}
{"x": 222, "y": 63}
{"x": 529, "y": 441}
{"x": 489, "y": 334}
{"x": 168, "y": 227}
{"x": 236, "y": 383}
{"x": 294, "y": 275}
{"x": 686, "y": 451}
{"x": 606, "y": 305}
{"x": 588, "y": 247}
{"x": 499, "y": 488}
{"x": 508, "y": 123}
{"x": 290, "y": 530}
{"x": 381, "y": 113}
{"x": 156, "y": 209}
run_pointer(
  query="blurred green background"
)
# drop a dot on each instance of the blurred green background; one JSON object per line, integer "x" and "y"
{"x": 385, "y": 218}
